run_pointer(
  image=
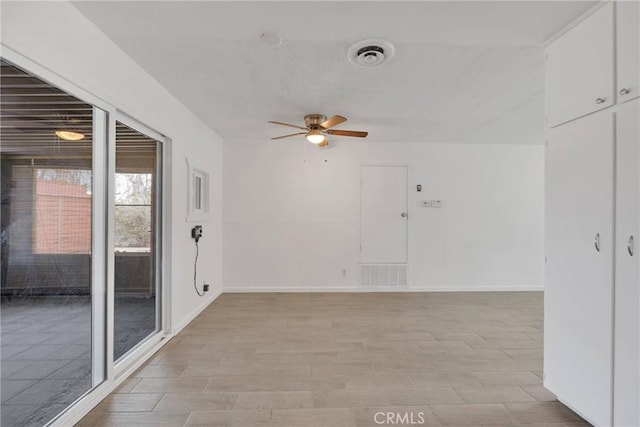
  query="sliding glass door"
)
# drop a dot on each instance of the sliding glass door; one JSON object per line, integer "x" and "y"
{"x": 81, "y": 247}
{"x": 138, "y": 222}
{"x": 52, "y": 330}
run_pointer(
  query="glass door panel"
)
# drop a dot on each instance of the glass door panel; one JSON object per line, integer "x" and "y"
{"x": 48, "y": 306}
{"x": 137, "y": 285}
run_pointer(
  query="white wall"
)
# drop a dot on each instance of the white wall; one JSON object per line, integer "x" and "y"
{"x": 58, "y": 37}
{"x": 291, "y": 214}
{"x": 290, "y": 219}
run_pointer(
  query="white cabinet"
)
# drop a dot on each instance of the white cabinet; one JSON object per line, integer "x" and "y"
{"x": 626, "y": 411}
{"x": 628, "y": 53}
{"x": 592, "y": 277}
{"x": 592, "y": 289}
{"x": 580, "y": 69}
{"x": 578, "y": 296}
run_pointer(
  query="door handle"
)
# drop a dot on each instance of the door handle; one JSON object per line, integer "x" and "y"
{"x": 630, "y": 245}
{"x": 403, "y": 214}
{"x": 596, "y": 242}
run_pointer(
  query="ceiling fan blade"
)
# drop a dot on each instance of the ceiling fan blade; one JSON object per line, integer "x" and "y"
{"x": 291, "y": 134}
{"x": 333, "y": 121}
{"x": 356, "y": 133}
{"x": 287, "y": 124}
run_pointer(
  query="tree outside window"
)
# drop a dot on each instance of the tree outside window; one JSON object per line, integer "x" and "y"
{"x": 133, "y": 212}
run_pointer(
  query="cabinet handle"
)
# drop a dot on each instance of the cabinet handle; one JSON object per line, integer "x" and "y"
{"x": 596, "y": 242}
{"x": 630, "y": 245}
{"x": 624, "y": 91}
{"x": 403, "y": 214}
{"x": 599, "y": 100}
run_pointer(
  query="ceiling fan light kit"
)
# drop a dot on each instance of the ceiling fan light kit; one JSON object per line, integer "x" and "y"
{"x": 69, "y": 135}
{"x": 316, "y": 136}
{"x": 318, "y": 126}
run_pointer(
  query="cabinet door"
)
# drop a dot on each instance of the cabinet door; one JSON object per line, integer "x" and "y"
{"x": 628, "y": 54}
{"x": 579, "y": 69}
{"x": 578, "y": 346}
{"x": 626, "y": 396}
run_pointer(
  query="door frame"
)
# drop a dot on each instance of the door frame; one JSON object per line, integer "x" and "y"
{"x": 101, "y": 289}
{"x": 161, "y": 239}
{"x": 382, "y": 164}
{"x": 103, "y": 243}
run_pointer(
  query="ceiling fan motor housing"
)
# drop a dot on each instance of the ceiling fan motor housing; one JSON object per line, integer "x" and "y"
{"x": 313, "y": 120}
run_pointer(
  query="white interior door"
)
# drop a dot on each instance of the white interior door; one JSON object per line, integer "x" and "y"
{"x": 626, "y": 378}
{"x": 578, "y": 334}
{"x": 383, "y": 214}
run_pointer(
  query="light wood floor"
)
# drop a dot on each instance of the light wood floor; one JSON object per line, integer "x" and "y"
{"x": 459, "y": 359}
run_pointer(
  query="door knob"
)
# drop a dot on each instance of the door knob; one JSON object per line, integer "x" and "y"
{"x": 630, "y": 245}
{"x": 596, "y": 242}
{"x": 599, "y": 100}
{"x": 624, "y": 91}
{"x": 403, "y": 214}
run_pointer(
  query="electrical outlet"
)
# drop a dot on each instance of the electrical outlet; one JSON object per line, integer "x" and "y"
{"x": 426, "y": 203}
{"x": 196, "y": 233}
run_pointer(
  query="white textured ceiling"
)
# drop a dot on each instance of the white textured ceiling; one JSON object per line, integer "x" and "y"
{"x": 462, "y": 72}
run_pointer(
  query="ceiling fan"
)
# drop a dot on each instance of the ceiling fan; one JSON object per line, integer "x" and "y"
{"x": 68, "y": 128}
{"x": 318, "y": 127}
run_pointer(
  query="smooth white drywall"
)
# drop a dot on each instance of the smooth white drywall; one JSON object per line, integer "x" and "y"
{"x": 291, "y": 214}
{"x": 55, "y": 35}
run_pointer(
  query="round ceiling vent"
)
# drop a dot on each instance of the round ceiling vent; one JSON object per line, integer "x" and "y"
{"x": 370, "y": 53}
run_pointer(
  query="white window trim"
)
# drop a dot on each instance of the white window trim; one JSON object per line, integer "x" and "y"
{"x": 204, "y": 213}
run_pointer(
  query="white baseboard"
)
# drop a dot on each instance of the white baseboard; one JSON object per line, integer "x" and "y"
{"x": 74, "y": 414}
{"x": 483, "y": 288}
{"x": 208, "y": 301}
{"x": 315, "y": 289}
